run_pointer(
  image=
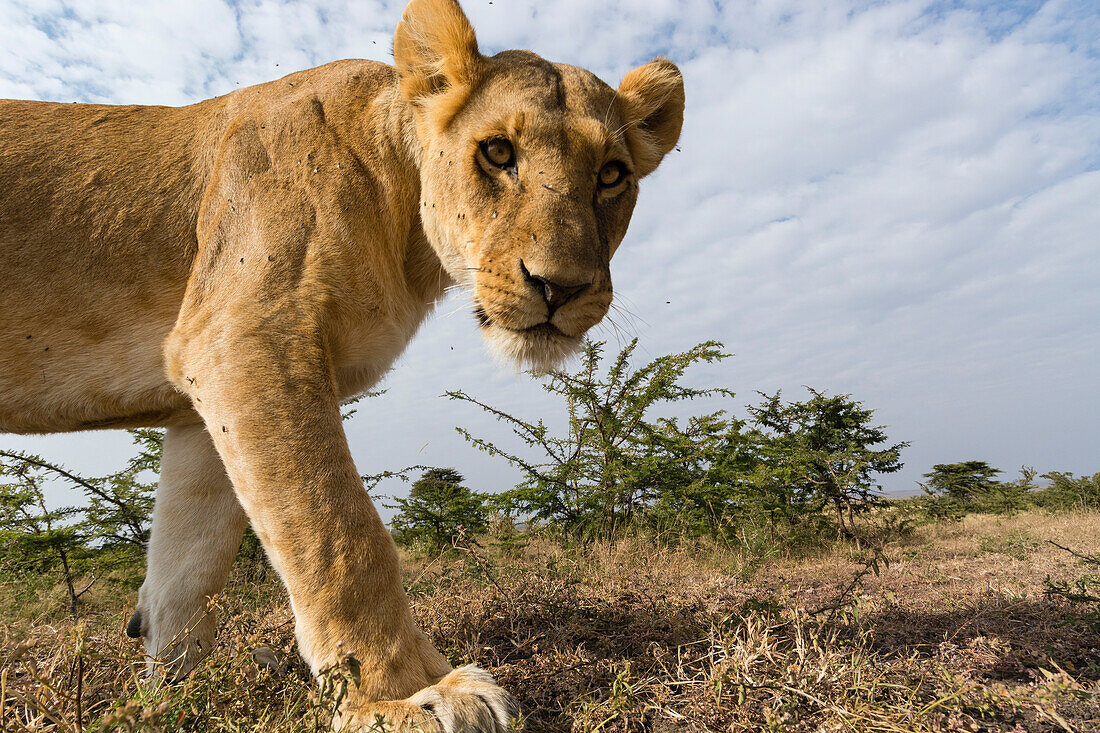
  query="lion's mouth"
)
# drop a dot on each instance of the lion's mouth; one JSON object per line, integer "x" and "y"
{"x": 546, "y": 328}
{"x": 540, "y": 348}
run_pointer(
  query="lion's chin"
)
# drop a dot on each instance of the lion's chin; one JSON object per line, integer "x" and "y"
{"x": 540, "y": 349}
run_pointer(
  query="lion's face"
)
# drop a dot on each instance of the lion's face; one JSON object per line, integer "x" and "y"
{"x": 525, "y": 196}
{"x": 529, "y": 175}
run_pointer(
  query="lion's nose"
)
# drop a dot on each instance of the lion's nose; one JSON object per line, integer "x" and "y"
{"x": 555, "y": 294}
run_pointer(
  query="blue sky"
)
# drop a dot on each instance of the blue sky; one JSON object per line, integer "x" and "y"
{"x": 900, "y": 200}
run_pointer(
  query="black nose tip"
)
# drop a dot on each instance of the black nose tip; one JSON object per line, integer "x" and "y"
{"x": 555, "y": 294}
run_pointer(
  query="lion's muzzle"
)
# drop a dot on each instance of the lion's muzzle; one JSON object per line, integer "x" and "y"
{"x": 555, "y": 294}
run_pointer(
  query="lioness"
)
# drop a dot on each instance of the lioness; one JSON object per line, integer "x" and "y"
{"x": 233, "y": 269}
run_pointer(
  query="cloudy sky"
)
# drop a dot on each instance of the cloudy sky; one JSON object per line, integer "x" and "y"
{"x": 899, "y": 200}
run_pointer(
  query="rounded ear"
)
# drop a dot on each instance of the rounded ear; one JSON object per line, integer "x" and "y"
{"x": 653, "y": 101}
{"x": 434, "y": 48}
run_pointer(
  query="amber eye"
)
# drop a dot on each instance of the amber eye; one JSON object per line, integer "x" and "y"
{"x": 499, "y": 152}
{"x": 612, "y": 174}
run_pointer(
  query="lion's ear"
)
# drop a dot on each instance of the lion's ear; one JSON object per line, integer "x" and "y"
{"x": 434, "y": 48}
{"x": 653, "y": 100}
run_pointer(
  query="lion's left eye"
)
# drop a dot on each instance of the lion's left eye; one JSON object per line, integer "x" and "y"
{"x": 499, "y": 152}
{"x": 612, "y": 174}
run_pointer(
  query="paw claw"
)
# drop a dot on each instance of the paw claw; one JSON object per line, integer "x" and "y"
{"x": 133, "y": 629}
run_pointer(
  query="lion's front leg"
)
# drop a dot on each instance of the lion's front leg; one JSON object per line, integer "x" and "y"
{"x": 274, "y": 418}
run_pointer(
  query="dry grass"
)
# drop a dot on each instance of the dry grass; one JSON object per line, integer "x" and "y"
{"x": 955, "y": 634}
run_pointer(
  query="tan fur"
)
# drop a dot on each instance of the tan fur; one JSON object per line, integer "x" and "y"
{"x": 235, "y": 268}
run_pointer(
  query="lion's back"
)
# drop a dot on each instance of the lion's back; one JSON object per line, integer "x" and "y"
{"x": 99, "y": 212}
{"x": 97, "y": 235}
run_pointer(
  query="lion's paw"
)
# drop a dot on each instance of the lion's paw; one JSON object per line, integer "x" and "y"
{"x": 467, "y": 700}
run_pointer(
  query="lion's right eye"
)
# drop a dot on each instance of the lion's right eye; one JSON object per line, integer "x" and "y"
{"x": 499, "y": 152}
{"x": 612, "y": 174}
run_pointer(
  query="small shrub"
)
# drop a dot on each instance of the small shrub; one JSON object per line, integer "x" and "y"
{"x": 507, "y": 538}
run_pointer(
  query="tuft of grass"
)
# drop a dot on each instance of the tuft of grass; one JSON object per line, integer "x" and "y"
{"x": 1018, "y": 544}
{"x": 950, "y": 634}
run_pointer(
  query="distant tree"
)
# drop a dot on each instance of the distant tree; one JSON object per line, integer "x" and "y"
{"x": 614, "y": 460}
{"x": 1008, "y": 497}
{"x": 963, "y": 481}
{"x": 438, "y": 509}
{"x": 826, "y": 450}
{"x": 953, "y": 490}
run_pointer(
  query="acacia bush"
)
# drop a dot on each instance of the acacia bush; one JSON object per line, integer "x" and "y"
{"x": 79, "y": 544}
{"x": 825, "y": 452}
{"x": 1069, "y": 493}
{"x": 624, "y": 464}
{"x": 614, "y": 459}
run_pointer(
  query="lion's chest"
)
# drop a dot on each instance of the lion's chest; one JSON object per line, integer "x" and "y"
{"x": 366, "y": 348}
